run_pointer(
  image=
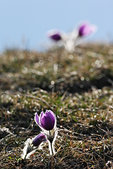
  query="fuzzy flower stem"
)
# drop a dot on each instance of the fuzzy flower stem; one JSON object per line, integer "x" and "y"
{"x": 51, "y": 149}
{"x": 51, "y": 152}
{"x": 51, "y": 145}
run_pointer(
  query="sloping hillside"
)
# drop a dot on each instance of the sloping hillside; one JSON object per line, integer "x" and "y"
{"x": 77, "y": 87}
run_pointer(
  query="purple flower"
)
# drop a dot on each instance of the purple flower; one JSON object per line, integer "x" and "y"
{"x": 39, "y": 139}
{"x": 46, "y": 120}
{"x": 55, "y": 35}
{"x": 86, "y": 29}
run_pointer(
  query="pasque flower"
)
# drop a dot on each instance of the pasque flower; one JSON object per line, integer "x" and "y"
{"x": 39, "y": 139}
{"x": 86, "y": 29}
{"x": 32, "y": 144}
{"x": 72, "y": 39}
{"x": 55, "y": 35}
{"x": 46, "y": 120}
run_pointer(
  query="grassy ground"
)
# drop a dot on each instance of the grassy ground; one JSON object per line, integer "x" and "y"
{"x": 77, "y": 87}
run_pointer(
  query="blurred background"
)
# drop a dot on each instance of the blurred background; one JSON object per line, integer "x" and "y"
{"x": 24, "y": 23}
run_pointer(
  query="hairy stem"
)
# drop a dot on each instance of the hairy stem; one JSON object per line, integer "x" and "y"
{"x": 51, "y": 145}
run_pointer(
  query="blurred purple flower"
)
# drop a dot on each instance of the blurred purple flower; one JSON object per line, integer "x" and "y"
{"x": 86, "y": 29}
{"x": 39, "y": 139}
{"x": 46, "y": 120}
{"x": 72, "y": 39}
{"x": 55, "y": 35}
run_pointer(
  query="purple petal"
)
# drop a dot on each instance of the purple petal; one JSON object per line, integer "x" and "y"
{"x": 55, "y": 35}
{"x": 41, "y": 115}
{"x": 48, "y": 120}
{"x": 37, "y": 119}
{"x": 86, "y": 29}
{"x": 39, "y": 139}
{"x": 51, "y": 115}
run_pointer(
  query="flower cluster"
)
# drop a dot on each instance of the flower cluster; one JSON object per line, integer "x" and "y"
{"x": 72, "y": 39}
{"x": 47, "y": 123}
